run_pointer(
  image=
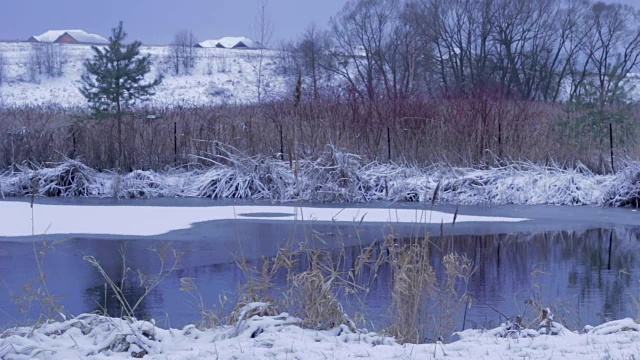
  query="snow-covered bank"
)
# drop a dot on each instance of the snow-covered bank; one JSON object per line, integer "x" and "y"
{"x": 336, "y": 176}
{"x": 281, "y": 337}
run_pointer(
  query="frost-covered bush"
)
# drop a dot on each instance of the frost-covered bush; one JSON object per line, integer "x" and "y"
{"x": 67, "y": 179}
{"x": 335, "y": 176}
{"x": 244, "y": 177}
{"x": 625, "y": 187}
{"x": 523, "y": 183}
{"x": 141, "y": 184}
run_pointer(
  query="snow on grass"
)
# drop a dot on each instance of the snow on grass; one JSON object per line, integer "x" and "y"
{"x": 336, "y": 176}
{"x": 91, "y": 336}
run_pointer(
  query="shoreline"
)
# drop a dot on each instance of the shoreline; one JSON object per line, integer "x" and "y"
{"x": 258, "y": 336}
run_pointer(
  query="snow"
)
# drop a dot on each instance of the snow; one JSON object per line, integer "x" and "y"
{"x": 156, "y": 220}
{"x": 336, "y": 176}
{"x": 208, "y": 43}
{"x": 220, "y": 76}
{"x": 228, "y": 42}
{"x": 80, "y": 35}
{"x": 91, "y": 336}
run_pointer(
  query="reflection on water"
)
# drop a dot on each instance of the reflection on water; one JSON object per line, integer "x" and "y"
{"x": 588, "y": 277}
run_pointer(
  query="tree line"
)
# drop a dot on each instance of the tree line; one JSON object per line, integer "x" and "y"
{"x": 551, "y": 50}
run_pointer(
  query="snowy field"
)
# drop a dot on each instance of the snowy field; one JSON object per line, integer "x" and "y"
{"x": 219, "y": 76}
{"x": 281, "y": 337}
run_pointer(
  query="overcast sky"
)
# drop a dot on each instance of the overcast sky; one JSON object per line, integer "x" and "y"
{"x": 155, "y": 21}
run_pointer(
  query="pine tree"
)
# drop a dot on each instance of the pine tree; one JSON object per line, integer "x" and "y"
{"x": 114, "y": 79}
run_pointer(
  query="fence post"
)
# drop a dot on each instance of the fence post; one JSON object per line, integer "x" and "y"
{"x": 75, "y": 144}
{"x": 389, "y": 143}
{"x": 500, "y": 140}
{"x": 281, "y": 144}
{"x": 611, "y": 146}
{"x": 13, "y": 153}
{"x": 175, "y": 143}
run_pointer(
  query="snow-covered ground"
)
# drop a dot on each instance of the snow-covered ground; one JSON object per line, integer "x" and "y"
{"x": 282, "y": 337}
{"x": 220, "y": 75}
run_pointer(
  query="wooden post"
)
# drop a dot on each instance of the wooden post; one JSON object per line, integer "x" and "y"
{"x": 611, "y": 146}
{"x": 175, "y": 143}
{"x": 75, "y": 144}
{"x": 281, "y": 144}
{"x": 389, "y": 143}
{"x": 500, "y": 140}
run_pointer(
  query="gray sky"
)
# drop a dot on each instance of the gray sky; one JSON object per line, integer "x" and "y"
{"x": 155, "y": 21}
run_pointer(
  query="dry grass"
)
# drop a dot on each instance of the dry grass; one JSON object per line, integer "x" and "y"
{"x": 458, "y": 131}
{"x": 413, "y": 281}
{"x": 318, "y": 281}
{"x": 337, "y": 176}
{"x": 169, "y": 261}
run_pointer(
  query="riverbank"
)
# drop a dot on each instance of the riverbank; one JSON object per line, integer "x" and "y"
{"x": 338, "y": 177}
{"x": 256, "y": 336}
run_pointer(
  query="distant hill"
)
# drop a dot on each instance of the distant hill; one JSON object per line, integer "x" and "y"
{"x": 220, "y": 75}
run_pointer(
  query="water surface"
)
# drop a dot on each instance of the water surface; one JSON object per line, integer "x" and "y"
{"x": 586, "y": 276}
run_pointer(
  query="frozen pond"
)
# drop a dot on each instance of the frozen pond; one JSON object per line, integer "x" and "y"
{"x": 581, "y": 261}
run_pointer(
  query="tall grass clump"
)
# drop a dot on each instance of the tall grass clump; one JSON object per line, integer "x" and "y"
{"x": 625, "y": 189}
{"x": 70, "y": 178}
{"x": 237, "y": 175}
{"x": 413, "y": 280}
{"x": 317, "y": 289}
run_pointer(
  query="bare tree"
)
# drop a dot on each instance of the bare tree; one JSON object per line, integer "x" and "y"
{"x": 182, "y": 52}
{"x": 46, "y": 59}
{"x": 360, "y": 34}
{"x": 262, "y": 33}
{"x": 312, "y": 50}
{"x": 612, "y": 49}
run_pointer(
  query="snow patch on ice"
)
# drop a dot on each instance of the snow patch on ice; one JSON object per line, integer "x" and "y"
{"x": 157, "y": 220}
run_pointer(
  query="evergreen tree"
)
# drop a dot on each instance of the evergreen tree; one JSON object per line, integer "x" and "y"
{"x": 114, "y": 76}
{"x": 114, "y": 79}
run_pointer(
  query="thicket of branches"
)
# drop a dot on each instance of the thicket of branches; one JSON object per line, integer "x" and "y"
{"x": 182, "y": 54}
{"x": 549, "y": 50}
{"x": 46, "y": 59}
{"x": 483, "y": 58}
